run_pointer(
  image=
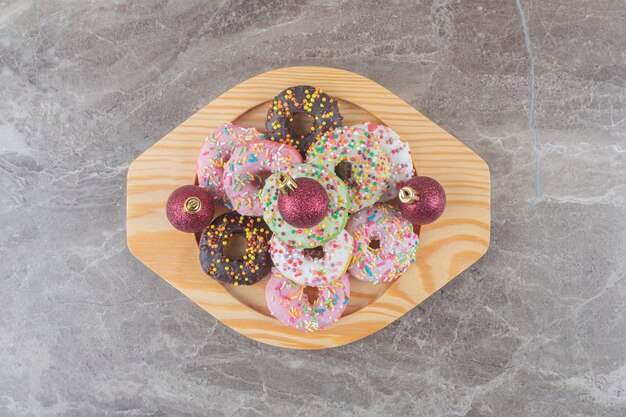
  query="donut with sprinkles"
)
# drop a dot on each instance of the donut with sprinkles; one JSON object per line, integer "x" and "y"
{"x": 306, "y": 99}
{"x": 290, "y": 303}
{"x": 399, "y": 156}
{"x": 256, "y": 261}
{"x": 384, "y": 244}
{"x": 358, "y": 159}
{"x": 247, "y": 168}
{"x": 314, "y": 266}
{"x": 216, "y": 150}
{"x": 330, "y": 226}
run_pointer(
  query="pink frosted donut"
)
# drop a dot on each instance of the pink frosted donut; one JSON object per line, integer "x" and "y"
{"x": 216, "y": 150}
{"x": 396, "y": 244}
{"x": 303, "y": 267}
{"x": 399, "y": 155}
{"x": 289, "y": 303}
{"x": 249, "y": 166}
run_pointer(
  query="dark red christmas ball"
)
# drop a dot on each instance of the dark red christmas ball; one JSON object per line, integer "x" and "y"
{"x": 305, "y": 205}
{"x": 190, "y": 208}
{"x": 422, "y": 200}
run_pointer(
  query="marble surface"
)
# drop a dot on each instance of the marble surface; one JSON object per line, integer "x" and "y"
{"x": 535, "y": 328}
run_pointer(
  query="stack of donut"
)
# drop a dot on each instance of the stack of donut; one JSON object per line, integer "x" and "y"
{"x": 313, "y": 208}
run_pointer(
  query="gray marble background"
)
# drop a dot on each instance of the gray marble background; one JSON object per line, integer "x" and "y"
{"x": 535, "y": 328}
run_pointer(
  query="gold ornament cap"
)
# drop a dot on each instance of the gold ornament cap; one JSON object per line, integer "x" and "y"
{"x": 407, "y": 195}
{"x": 285, "y": 183}
{"x": 192, "y": 205}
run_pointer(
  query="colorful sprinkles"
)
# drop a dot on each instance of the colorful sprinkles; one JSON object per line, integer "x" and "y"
{"x": 369, "y": 164}
{"x": 216, "y": 151}
{"x": 322, "y": 232}
{"x": 397, "y": 244}
{"x": 323, "y": 109}
{"x": 247, "y": 168}
{"x": 302, "y": 268}
{"x": 399, "y": 156}
{"x": 289, "y": 303}
{"x": 256, "y": 261}
{"x": 359, "y": 167}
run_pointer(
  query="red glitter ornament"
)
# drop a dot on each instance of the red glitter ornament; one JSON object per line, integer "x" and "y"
{"x": 190, "y": 208}
{"x": 303, "y": 202}
{"x": 422, "y": 200}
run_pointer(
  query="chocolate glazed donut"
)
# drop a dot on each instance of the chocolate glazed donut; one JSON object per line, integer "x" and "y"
{"x": 256, "y": 262}
{"x": 306, "y": 99}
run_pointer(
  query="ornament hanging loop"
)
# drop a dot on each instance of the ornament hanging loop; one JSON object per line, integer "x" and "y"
{"x": 192, "y": 205}
{"x": 285, "y": 183}
{"x": 408, "y": 195}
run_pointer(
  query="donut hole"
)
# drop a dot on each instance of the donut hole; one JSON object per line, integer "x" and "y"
{"x": 312, "y": 294}
{"x": 344, "y": 171}
{"x": 301, "y": 124}
{"x": 374, "y": 245}
{"x": 313, "y": 254}
{"x": 235, "y": 247}
{"x": 260, "y": 177}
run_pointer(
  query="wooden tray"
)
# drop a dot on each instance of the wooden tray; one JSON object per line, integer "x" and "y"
{"x": 447, "y": 247}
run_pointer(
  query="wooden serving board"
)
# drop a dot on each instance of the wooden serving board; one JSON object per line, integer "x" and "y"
{"x": 446, "y": 248}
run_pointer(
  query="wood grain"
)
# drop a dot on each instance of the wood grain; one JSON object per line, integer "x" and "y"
{"x": 447, "y": 247}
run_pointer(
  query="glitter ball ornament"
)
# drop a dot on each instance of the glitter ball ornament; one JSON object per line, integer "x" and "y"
{"x": 422, "y": 200}
{"x": 190, "y": 208}
{"x": 302, "y": 202}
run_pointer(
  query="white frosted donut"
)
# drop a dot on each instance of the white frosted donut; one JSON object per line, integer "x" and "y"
{"x": 298, "y": 265}
{"x": 399, "y": 154}
{"x": 358, "y": 159}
